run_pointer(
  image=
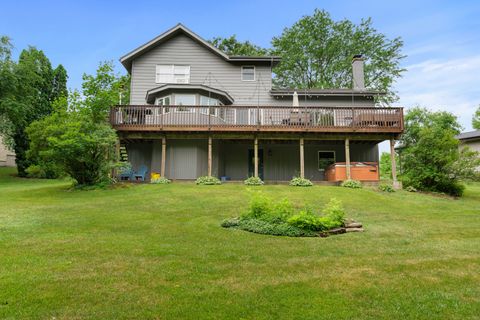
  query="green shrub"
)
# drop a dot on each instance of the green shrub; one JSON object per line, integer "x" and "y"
{"x": 283, "y": 209}
{"x": 410, "y": 189}
{"x": 276, "y": 229}
{"x": 230, "y": 223}
{"x": 300, "y": 182}
{"x": 306, "y": 220}
{"x": 253, "y": 181}
{"x": 279, "y": 218}
{"x": 161, "y": 180}
{"x": 207, "y": 180}
{"x": 432, "y": 159}
{"x": 354, "y": 184}
{"x": 455, "y": 189}
{"x": 334, "y": 211}
{"x": 35, "y": 171}
{"x": 263, "y": 208}
{"x": 260, "y": 206}
{"x": 334, "y": 217}
{"x": 386, "y": 188}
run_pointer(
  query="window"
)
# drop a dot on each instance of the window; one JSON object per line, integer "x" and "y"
{"x": 184, "y": 100}
{"x": 206, "y": 101}
{"x": 170, "y": 73}
{"x": 325, "y": 159}
{"x": 248, "y": 73}
{"x": 164, "y": 101}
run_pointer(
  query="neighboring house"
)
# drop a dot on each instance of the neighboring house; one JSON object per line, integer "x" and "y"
{"x": 470, "y": 139}
{"x": 7, "y": 157}
{"x": 196, "y": 111}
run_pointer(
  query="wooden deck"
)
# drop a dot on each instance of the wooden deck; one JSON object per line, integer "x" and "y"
{"x": 243, "y": 119}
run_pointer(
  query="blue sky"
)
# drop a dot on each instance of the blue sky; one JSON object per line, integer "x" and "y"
{"x": 442, "y": 38}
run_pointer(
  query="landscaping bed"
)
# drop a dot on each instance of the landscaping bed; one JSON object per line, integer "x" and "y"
{"x": 282, "y": 218}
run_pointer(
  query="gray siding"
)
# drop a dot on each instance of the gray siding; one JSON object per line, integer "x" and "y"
{"x": 205, "y": 68}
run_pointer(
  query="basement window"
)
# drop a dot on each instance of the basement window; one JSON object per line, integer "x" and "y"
{"x": 325, "y": 159}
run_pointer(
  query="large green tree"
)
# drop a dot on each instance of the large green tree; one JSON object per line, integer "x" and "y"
{"x": 77, "y": 139}
{"x": 431, "y": 157}
{"x": 27, "y": 94}
{"x": 232, "y": 46}
{"x": 317, "y": 52}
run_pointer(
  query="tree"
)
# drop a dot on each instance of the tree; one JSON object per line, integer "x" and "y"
{"x": 59, "y": 83}
{"x": 317, "y": 53}
{"x": 103, "y": 90}
{"x": 74, "y": 144}
{"x": 386, "y": 165}
{"x": 232, "y": 46}
{"x": 431, "y": 159}
{"x": 77, "y": 139}
{"x": 26, "y": 94}
{"x": 9, "y": 106}
{"x": 476, "y": 119}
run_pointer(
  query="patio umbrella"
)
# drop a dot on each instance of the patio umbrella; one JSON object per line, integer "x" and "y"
{"x": 295, "y": 99}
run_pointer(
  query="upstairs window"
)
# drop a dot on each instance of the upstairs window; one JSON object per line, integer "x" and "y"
{"x": 248, "y": 73}
{"x": 171, "y": 73}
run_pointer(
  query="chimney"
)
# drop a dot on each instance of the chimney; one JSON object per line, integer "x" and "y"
{"x": 358, "y": 75}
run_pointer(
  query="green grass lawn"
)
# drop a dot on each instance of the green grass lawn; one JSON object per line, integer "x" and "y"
{"x": 157, "y": 252}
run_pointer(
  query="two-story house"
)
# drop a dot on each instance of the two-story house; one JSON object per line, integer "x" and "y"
{"x": 196, "y": 111}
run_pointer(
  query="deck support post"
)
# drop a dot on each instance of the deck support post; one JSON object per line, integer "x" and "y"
{"x": 164, "y": 156}
{"x": 255, "y": 157}
{"x": 347, "y": 159}
{"x": 209, "y": 156}
{"x": 302, "y": 159}
{"x": 395, "y": 182}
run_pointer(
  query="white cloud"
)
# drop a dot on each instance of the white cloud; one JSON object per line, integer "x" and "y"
{"x": 449, "y": 84}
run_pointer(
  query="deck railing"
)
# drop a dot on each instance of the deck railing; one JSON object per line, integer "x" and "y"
{"x": 251, "y": 118}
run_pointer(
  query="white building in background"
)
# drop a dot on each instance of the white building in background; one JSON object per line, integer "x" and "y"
{"x": 470, "y": 139}
{"x": 7, "y": 157}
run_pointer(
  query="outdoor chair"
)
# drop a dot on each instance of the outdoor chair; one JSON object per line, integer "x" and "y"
{"x": 126, "y": 174}
{"x": 141, "y": 173}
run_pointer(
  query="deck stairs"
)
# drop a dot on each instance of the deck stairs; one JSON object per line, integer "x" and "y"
{"x": 123, "y": 153}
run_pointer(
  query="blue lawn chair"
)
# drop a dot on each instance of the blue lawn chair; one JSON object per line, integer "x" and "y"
{"x": 141, "y": 173}
{"x": 126, "y": 174}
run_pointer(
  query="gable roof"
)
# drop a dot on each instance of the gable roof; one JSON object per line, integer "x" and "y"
{"x": 127, "y": 59}
{"x": 471, "y": 135}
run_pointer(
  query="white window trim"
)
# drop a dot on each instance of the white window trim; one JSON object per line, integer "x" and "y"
{"x": 166, "y": 108}
{"x": 254, "y": 73}
{"x": 172, "y": 73}
{"x": 318, "y": 158}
